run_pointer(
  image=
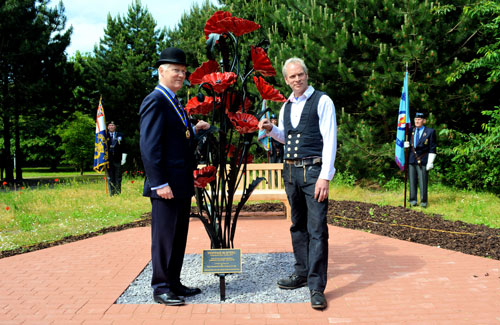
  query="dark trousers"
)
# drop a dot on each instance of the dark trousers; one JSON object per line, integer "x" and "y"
{"x": 169, "y": 229}
{"x": 309, "y": 228}
{"x": 420, "y": 174}
{"x": 115, "y": 177}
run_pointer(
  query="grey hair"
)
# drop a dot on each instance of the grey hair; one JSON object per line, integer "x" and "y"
{"x": 165, "y": 66}
{"x": 294, "y": 60}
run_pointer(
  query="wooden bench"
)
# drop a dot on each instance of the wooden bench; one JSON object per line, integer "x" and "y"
{"x": 271, "y": 190}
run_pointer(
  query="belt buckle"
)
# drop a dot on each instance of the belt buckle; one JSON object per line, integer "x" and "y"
{"x": 298, "y": 163}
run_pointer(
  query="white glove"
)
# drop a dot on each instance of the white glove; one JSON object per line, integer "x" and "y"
{"x": 430, "y": 161}
{"x": 407, "y": 144}
{"x": 124, "y": 158}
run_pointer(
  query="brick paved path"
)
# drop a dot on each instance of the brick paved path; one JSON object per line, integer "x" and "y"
{"x": 372, "y": 280}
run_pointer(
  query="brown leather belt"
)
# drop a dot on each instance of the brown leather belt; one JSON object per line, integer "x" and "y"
{"x": 303, "y": 162}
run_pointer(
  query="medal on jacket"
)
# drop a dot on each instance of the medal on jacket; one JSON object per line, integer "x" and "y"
{"x": 178, "y": 109}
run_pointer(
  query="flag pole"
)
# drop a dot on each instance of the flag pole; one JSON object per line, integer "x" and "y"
{"x": 106, "y": 136}
{"x": 406, "y": 149}
{"x": 106, "y": 180}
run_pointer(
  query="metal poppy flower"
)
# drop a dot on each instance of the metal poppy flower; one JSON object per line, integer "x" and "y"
{"x": 243, "y": 122}
{"x": 219, "y": 80}
{"x": 267, "y": 91}
{"x": 230, "y": 150}
{"x": 232, "y": 101}
{"x": 261, "y": 62}
{"x": 194, "y": 106}
{"x": 204, "y": 176}
{"x": 205, "y": 68}
{"x": 237, "y": 26}
{"x": 212, "y": 26}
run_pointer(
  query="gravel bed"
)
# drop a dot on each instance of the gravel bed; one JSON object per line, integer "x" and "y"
{"x": 256, "y": 284}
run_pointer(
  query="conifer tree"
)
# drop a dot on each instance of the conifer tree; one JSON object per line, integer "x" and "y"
{"x": 357, "y": 51}
{"x": 122, "y": 69}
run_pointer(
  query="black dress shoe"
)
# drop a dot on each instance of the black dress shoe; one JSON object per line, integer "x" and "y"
{"x": 182, "y": 290}
{"x": 169, "y": 299}
{"x": 318, "y": 300}
{"x": 292, "y": 282}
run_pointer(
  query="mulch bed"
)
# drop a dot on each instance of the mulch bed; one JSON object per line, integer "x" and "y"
{"x": 395, "y": 222}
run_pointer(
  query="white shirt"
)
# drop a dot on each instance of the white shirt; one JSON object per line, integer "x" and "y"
{"x": 327, "y": 127}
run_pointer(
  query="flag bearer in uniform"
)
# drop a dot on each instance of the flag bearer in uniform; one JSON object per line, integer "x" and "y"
{"x": 422, "y": 155}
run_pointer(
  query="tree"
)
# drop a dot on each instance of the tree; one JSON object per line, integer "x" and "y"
{"x": 357, "y": 52}
{"x": 77, "y": 141}
{"x": 484, "y": 17}
{"x": 32, "y": 59}
{"x": 122, "y": 70}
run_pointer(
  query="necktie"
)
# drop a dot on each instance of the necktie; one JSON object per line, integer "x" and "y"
{"x": 417, "y": 137}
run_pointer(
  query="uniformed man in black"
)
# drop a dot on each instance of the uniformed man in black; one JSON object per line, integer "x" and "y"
{"x": 167, "y": 151}
{"x": 422, "y": 154}
{"x": 307, "y": 127}
{"x": 117, "y": 158}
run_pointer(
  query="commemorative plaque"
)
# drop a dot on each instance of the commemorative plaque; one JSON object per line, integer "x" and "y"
{"x": 221, "y": 261}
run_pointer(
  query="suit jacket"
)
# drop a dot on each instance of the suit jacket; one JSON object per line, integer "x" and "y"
{"x": 426, "y": 144}
{"x": 115, "y": 147}
{"x": 167, "y": 155}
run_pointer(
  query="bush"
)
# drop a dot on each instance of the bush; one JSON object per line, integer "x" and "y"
{"x": 472, "y": 161}
{"x": 77, "y": 141}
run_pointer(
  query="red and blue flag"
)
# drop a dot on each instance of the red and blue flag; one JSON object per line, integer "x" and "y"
{"x": 101, "y": 148}
{"x": 403, "y": 124}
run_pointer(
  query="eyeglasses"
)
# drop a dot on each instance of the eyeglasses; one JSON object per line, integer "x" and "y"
{"x": 178, "y": 71}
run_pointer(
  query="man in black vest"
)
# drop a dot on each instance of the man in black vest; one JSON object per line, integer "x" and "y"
{"x": 167, "y": 151}
{"x": 116, "y": 158}
{"x": 422, "y": 154}
{"x": 308, "y": 128}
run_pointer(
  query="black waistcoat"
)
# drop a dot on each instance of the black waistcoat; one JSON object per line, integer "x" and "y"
{"x": 305, "y": 140}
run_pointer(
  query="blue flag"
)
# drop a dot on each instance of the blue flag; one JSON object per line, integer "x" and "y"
{"x": 403, "y": 124}
{"x": 263, "y": 139}
{"x": 101, "y": 148}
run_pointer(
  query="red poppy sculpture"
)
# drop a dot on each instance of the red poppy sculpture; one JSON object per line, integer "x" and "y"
{"x": 267, "y": 91}
{"x": 195, "y": 107}
{"x": 212, "y": 25}
{"x": 220, "y": 81}
{"x": 261, "y": 62}
{"x": 237, "y": 26}
{"x": 206, "y": 68}
{"x": 230, "y": 150}
{"x": 204, "y": 176}
{"x": 243, "y": 122}
{"x": 231, "y": 98}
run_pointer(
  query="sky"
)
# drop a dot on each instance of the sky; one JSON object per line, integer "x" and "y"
{"x": 89, "y": 17}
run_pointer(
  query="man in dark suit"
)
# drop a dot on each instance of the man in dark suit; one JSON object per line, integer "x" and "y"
{"x": 422, "y": 155}
{"x": 116, "y": 158}
{"x": 167, "y": 151}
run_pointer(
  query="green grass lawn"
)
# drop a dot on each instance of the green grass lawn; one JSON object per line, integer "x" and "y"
{"x": 45, "y": 172}
{"x": 53, "y": 211}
